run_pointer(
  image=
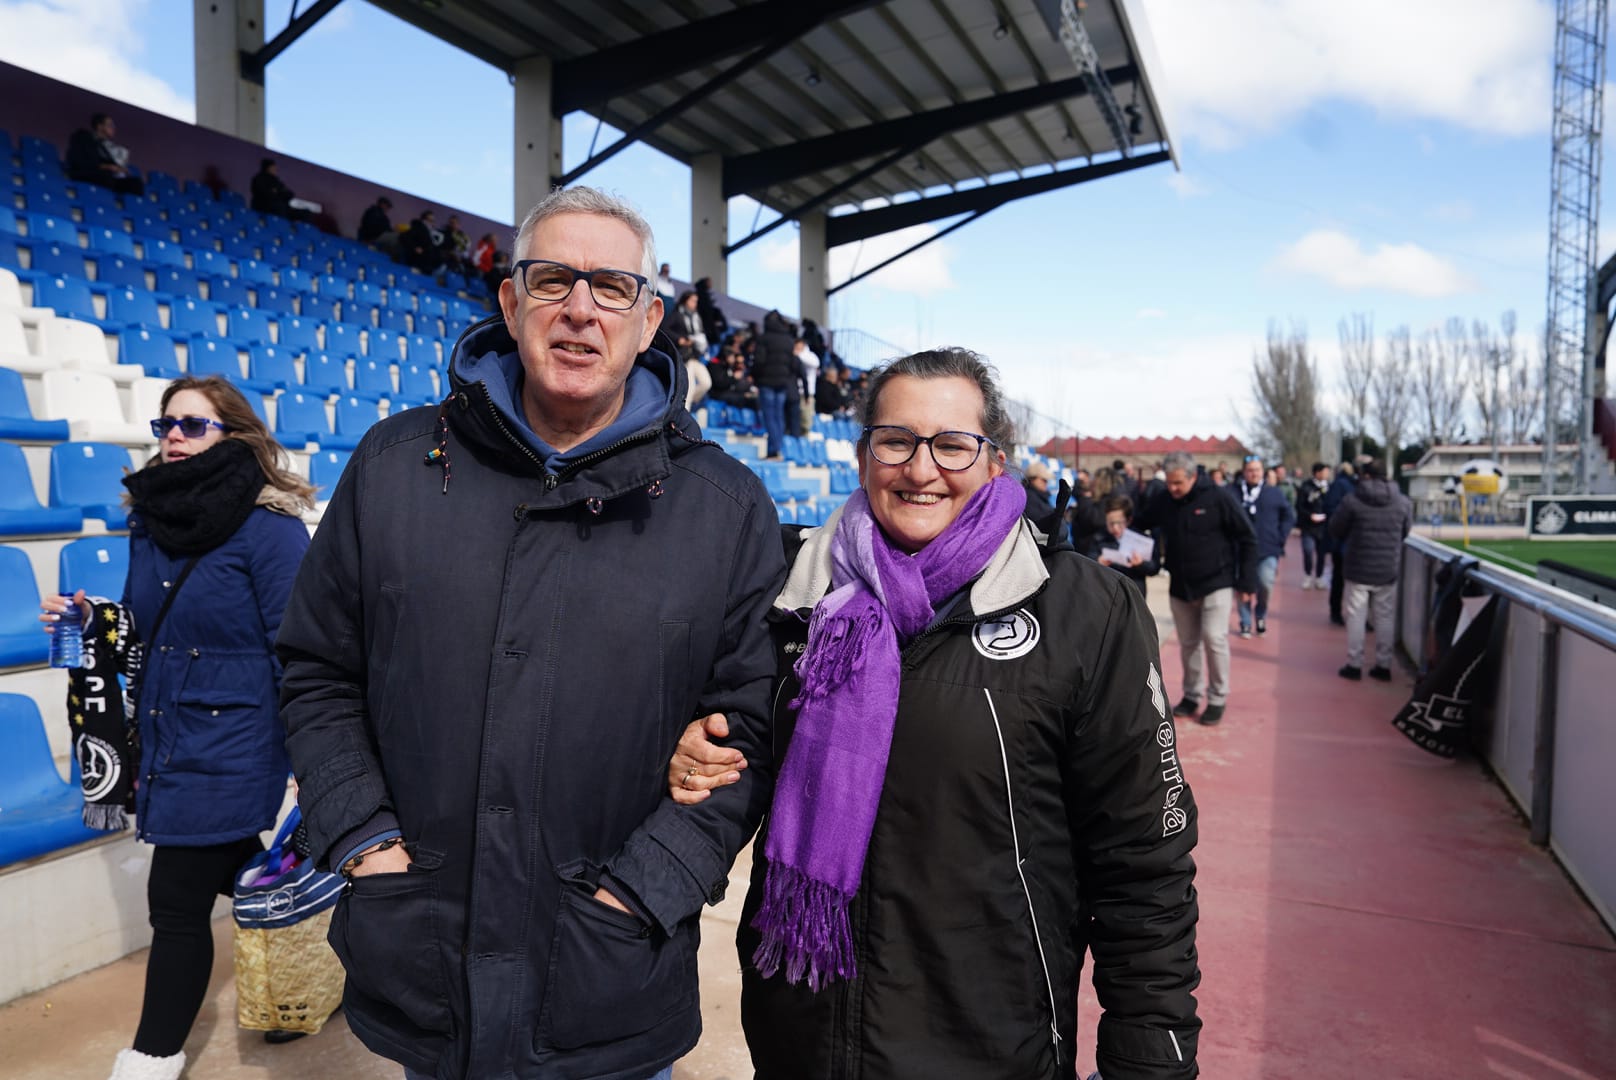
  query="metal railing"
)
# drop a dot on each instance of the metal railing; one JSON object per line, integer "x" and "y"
{"x": 1550, "y": 736}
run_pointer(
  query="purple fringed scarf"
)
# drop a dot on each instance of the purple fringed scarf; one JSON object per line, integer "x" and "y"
{"x": 830, "y": 783}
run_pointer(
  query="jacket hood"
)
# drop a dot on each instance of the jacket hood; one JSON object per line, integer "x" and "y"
{"x": 1015, "y": 572}
{"x": 1375, "y": 492}
{"x": 485, "y": 359}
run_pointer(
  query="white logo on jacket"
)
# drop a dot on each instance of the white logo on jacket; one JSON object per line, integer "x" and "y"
{"x": 1007, "y": 637}
{"x": 1158, "y": 698}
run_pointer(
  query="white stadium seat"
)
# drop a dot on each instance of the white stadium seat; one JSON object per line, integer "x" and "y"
{"x": 88, "y": 401}
{"x": 83, "y": 345}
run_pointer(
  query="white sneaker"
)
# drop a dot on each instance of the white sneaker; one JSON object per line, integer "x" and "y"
{"x": 133, "y": 1065}
{"x": 1307, "y": 583}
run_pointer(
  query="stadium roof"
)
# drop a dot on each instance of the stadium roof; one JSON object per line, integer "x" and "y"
{"x": 930, "y": 108}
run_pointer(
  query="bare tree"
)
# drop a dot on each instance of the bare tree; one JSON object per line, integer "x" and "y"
{"x": 1357, "y": 372}
{"x": 1522, "y": 390}
{"x": 1285, "y": 385}
{"x": 1439, "y": 387}
{"x": 1391, "y": 393}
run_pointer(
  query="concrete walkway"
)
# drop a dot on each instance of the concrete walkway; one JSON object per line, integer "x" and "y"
{"x": 1367, "y": 911}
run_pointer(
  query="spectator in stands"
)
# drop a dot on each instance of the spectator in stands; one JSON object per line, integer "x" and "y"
{"x": 807, "y": 381}
{"x": 456, "y": 244}
{"x": 270, "y": 195}
{"x": 1371, "y": 524}
{"x": 490, "y": 816}
{"x": 1210, "y": 551}
{"x": 712, "y": 317}
{"x": 422, "y": 245}
{"x": 215, "y": 538}
{"x": 774, "y": 371}
{"x": 684, "y": 328}
{"x": 94, "y": 158}
{"x": 498, "y": 270}
{"x": 731, "y": 382}
{"x": 375, "y": 223}
{"x": 1038, "y": 670}
{"x": 1310, "y": 518}
{"x": 1136, "y": 567}
{"x": 482, "y": 256}
{"x": 815, "y": 337}
{"x": 1272, "y": 519}
{"x": 1342, "y": 486}
{"x": 830, "y": 395}
{"x": 664, "y": 284}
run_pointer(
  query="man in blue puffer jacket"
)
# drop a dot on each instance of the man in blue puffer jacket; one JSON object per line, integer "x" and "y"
{"x": 514, "y": 604}
{"x": 1273, "y": 517}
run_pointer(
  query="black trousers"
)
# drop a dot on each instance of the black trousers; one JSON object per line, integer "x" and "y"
{"x": 180, "y": 892}
{"x": 1338, "y": 583}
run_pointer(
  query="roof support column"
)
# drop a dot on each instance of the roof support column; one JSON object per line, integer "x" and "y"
{"x": 813, "y": 269}
{"x": 709, "y": 221}
{"x": 538, "y": 136}
{"x": 222, "y": 31}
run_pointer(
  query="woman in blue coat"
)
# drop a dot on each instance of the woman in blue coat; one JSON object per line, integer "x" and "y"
{"x": 215, "y": 522}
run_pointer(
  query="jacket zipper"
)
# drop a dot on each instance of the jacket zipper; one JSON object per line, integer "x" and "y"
{"x": 1015, "y": 840}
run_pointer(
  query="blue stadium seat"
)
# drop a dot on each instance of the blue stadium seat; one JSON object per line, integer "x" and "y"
{"x": 332, "y": 287}
{"x": 259, "y": 273}
{"x": 43, "y": 813}
{"x": 98, "y": 216}
{"x": 300, "y": 419}
{"x": 134, "y": 307}
{"x": 373, "y": 378}
{"x": 238, "y": 247}
{"x": 251, "y": 326}
{"x": 296, "y": 280}
{"x": 415, "y": 385}
{"x": 420, "y": 349}
{"x": 8, "y": 221}
{"x": 17, "y": 418}
{"x": 152, "y": 349}
{"x": 161, "y": 253}
{"x": 274, "y": 300}
{"x": 160, "y": 184}
{"x": 20, "y": 512}
{"x": 342, "y": 339}
{"x": 47, "y": 199}
{"x": 325, "y": 469}
{"x": 119, "y": 272}
{"x": 43, "y": 228}
{"x": 53, "y": 258}
{"x": 209, "y": 263}
{"x": 394, "y": 320}
{"x": 188, "y": 315}
{"x": 146, "y": 224}
{"x": 11, "y": 248}
{"x": 400, "y": 300}
{"x": 228, "y": 291}
{"x": 97, "y": 564}
{"x": 382, "y": 345}
{"x": 367, "y": 293}
{"x": 355, "y": 416}
{"x": 272, "y": 366}
{"x": 299, "y": 334}
{"x": 89, "y": 476}
{"x": 111, "y": 241}
{"x": 178, "y": 281}
{"x": 72, "y": 297}
{"x": 324, "y": 374}
{"x": 212, "y": 356}
{"x": 357, "y": 315}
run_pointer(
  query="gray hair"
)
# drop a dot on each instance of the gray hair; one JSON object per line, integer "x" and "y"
{"x": 1179, "y": 461}
{"x": 588, "y": 200}
{"x": 948, "y": 363}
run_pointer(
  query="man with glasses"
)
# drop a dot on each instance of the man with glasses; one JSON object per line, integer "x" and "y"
{"x": 1209, "y": 551}
{"x": 1272, "y": 519}
{"x": 514, "y": 604}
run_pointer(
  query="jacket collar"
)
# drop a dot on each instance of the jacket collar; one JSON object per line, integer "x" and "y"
{"x": 1015, "y": 572}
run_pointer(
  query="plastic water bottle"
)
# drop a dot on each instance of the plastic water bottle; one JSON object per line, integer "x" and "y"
{"x": 67, "y": 641}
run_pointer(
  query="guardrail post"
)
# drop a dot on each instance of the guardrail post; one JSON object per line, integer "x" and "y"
{"x": 1548, "y": 664}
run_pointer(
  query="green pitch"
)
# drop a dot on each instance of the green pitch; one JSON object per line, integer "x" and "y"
{"x": 1524, "y": 555}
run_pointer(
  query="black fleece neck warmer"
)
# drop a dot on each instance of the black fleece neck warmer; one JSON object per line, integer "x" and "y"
{"x": 191, "y": 507}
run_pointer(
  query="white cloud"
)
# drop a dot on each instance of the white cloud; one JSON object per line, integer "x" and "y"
{"x": 921, "y": 274}
{"x": 1242, "y": 67}
{"x": 94, "y": 44}
{"x": 1150, "y": 313}
{"x": 1185, "y": 185}
{"x": 1456, "y": 210}
{"x": 1342, "y": 261}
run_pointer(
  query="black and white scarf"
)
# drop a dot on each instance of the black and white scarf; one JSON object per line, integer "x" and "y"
{"x": 101, "y": 715}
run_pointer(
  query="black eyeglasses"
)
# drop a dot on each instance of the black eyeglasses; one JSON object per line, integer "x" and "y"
{"x": 192, "y": 427}
{"x": 953, "y": 451}
{"x": 552, "y": 282}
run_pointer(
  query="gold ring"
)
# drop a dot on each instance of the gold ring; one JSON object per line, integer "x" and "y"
{"x": 685, "y": 783}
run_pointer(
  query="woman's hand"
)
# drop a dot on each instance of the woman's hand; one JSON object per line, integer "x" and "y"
{"x": 698, "y": 765}
{"x": 52, "y": 606}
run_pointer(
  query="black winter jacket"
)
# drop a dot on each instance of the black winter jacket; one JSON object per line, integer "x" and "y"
{"x": 1033, "y": 807}
{"x": 774, "y": 365}
{"x": 1310, "y": 501}
{"x": 498, "y": 661}
{"x": 1371, "y": 523}
{"x": 1207, "y": 540}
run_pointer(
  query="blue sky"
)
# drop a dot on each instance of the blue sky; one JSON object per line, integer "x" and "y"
{"x": 1378, "y": 157}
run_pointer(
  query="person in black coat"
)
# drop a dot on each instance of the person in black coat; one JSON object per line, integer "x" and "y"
{"x": 422, "y": 245}
{"x": 1118, "y": 520}
{"x": 1343, "y": 485}
{"x": 1310, "y": 521}
{"x": 94, "y": 158}
{"x": 270, "y": 195}
{"x": 375, "y": 223}
{"x": 775, "y": 369}
{"x": 712, "y": 316}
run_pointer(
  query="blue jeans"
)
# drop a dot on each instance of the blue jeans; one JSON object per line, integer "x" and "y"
{"x": 1267, "y": 569}
{"x": 1312, "y": 555}
{"x": 772, "y": 406}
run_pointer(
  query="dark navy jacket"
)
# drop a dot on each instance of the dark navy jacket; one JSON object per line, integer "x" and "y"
{"x": 497, "y": 659}
{"x": 213, "y": 764}
{"x": 1272, "y": 518}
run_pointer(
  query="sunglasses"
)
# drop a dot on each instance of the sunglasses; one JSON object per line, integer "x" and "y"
{"x": 192, "y": 427}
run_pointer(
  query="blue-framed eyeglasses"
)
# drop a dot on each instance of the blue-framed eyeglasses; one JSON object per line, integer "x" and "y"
{"x": 551, "y": 282}
{"x": 192, "y": 427}
{"x": 953, "y": 451}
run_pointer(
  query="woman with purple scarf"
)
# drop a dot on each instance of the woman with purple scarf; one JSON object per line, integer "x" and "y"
{"x": 978, "y": 782}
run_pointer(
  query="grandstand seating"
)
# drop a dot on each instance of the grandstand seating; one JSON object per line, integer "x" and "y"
{"x": 17, "y": 418}
{"x": 21, "y": 639}
{"x": 325, "y": 469}
{"x": 42, "y": 812}
{"x": 89, "y": 476}
{"x": 20, "y": 511}
{"x": 97, "y": 564}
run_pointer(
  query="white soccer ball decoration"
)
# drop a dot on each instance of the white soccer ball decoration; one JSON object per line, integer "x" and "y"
{"x": 1476, "y": 467}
